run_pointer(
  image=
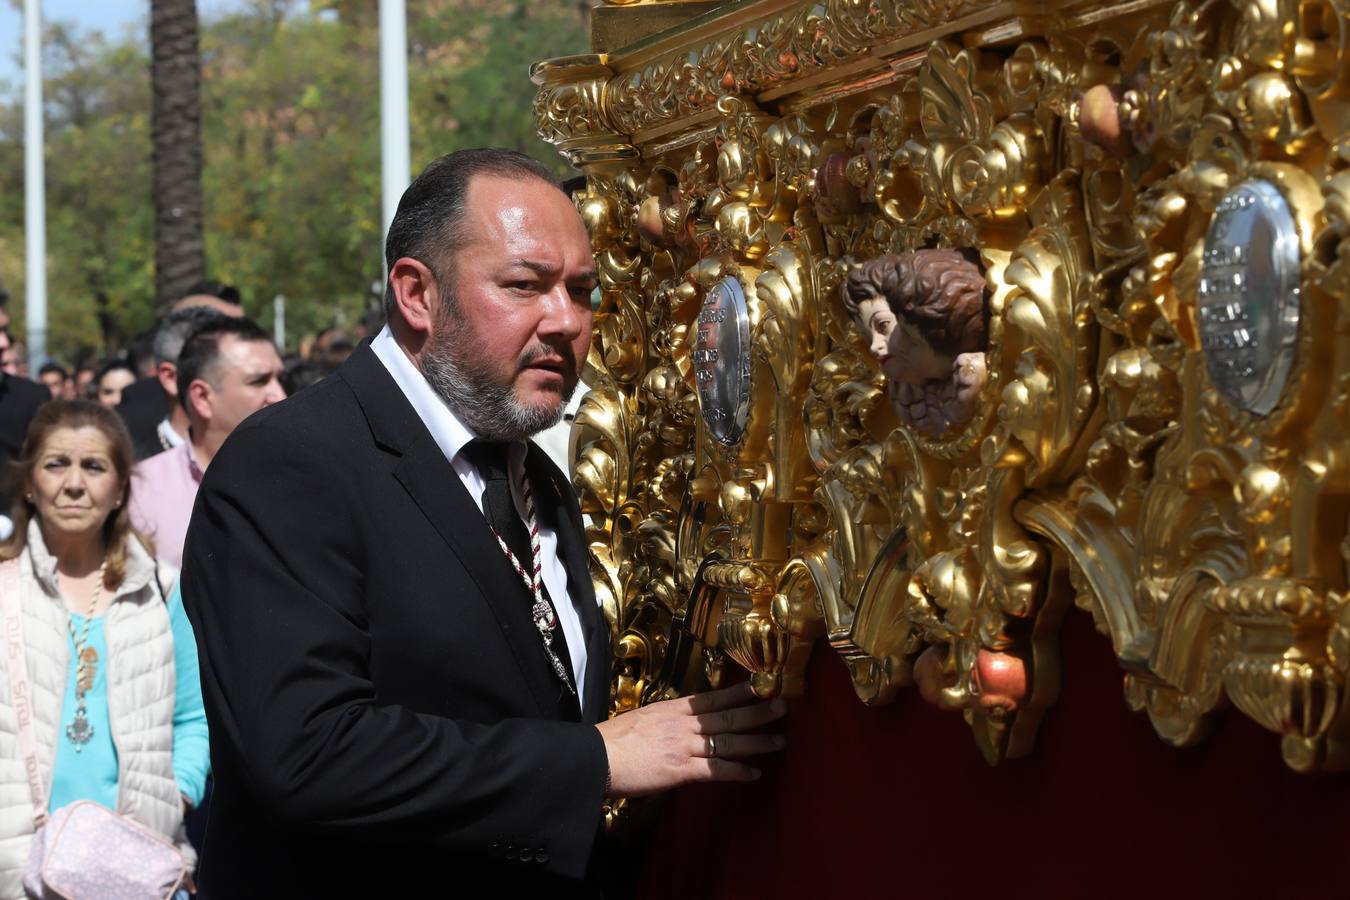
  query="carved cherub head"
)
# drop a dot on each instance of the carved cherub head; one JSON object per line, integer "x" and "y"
{"x": 918, "y": 310}
{"x": 923, "y": 315}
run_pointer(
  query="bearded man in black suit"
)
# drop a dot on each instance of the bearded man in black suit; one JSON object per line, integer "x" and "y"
{"x": 402, "y": 656}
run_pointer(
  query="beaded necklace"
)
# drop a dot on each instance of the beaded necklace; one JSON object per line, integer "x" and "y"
{"x": 545, "y": 619}
{"x": 79, "y": 731}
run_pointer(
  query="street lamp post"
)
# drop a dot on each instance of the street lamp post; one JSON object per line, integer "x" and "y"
{"x": 394, "y": 133}
{"x": 34, "y": 188}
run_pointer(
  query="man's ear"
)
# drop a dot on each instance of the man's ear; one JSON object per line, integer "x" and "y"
{"x": 415, "y": 294}
{"x": 167, "y": 373}
{"x": 199, "y": 398}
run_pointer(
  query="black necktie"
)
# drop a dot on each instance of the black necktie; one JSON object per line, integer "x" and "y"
{"x": 490, "y": 458}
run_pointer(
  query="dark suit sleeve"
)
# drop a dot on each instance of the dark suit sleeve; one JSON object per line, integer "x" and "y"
{"x": 20, "y": 401}
{"x": 273, "y": 584}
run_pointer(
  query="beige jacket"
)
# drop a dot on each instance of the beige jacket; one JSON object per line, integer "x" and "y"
{"x": 140, "y": 701}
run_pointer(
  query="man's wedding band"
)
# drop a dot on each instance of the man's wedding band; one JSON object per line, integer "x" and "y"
{"x": 710, "y": 747}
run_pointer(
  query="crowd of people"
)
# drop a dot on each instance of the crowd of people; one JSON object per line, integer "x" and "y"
{"x": 100, "y": 471}
{"x": 103, "y": 379}
{"x": 365, "y": 613}
{"x": 141, "y": 381}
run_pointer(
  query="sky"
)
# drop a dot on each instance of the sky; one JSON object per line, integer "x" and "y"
{"x": 114, "y": 18}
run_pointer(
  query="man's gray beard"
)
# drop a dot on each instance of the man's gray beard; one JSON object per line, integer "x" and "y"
{"x": 489, "y": 409}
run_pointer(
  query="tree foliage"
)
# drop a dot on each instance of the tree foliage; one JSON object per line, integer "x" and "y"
{"x": 291, "y": 150}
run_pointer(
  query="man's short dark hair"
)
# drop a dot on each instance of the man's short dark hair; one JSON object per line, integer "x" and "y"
{"x": 300, "y": 374}
{"x": 48, "y": 367}
{"x": 178, "y": 326}
{"x": 429, "y": 223}
{"x": 140, "y": 351}
{"x": 202, "y": 350}
{"x": 218, "y": 289}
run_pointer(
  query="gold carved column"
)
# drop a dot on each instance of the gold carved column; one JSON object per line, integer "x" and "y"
{"x": 1160, "y": 434}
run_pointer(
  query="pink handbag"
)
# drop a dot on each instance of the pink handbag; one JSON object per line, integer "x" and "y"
{"x": 84, "y": 851}
{"x": 87, "y": 850}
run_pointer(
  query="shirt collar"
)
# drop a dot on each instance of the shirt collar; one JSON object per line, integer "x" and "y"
{"x": 140, "y": 566}
{"x": 167, "y": 434}
{"x": 449, "y": 433}
{"x": 194, "y": 467}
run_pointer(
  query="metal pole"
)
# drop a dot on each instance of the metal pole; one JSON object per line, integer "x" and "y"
{"x": 279, "y": 322}
{"x": 394, "y": 133}
{"x": 34, "y": 188}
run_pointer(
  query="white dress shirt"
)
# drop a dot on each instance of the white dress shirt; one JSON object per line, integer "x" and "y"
{"x": 557, "y": 441}
{"x": 450, "y": 434}
{"x": 168, "y": 438}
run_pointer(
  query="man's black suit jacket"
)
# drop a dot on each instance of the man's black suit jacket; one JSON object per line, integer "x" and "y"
{"x": 144, "y": 405}
{"x": 384, "y": 721}
{"x": 20, "y": 400}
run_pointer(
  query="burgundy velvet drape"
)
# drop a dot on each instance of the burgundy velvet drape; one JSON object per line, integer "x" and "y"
{"x": 897, "y": 802}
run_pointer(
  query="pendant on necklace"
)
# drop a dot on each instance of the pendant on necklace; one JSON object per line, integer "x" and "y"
{"x": 79, "y": 730}
{"x": 88, "y": 668}
{"x": 544, "y": 618}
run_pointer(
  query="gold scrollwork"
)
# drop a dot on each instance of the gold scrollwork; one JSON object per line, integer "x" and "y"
{"x": 1077, "y": 159}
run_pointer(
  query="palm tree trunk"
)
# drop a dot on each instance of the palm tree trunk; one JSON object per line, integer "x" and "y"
{"x": 175, "y": 76}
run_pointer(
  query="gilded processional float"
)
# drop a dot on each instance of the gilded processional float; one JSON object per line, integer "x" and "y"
{"x": 924, "y": 322}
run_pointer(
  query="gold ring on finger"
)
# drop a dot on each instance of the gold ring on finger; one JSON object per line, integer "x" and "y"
{"x": 710, "y": 746}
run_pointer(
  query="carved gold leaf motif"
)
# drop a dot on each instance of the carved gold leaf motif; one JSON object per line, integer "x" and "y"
{"x": 1074, "y": 157}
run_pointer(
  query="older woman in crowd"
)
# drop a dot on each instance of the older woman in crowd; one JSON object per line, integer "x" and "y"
{"x": 116, "y": 700}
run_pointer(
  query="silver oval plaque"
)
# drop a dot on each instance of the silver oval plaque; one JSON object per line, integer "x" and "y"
{"x": 722, "y": 360}
{"x": 1249, "y": 296}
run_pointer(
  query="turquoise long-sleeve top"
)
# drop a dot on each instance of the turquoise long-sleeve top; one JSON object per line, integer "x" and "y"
{"x": 90, "y": 773}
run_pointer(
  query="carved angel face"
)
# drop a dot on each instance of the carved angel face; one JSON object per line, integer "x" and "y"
{"x": 904, "y": 354}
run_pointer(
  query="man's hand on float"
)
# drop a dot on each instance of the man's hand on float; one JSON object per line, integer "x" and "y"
{"x": 702, "y": 737}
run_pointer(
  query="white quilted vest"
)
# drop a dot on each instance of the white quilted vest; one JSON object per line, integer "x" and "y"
{"x": 140, "y": 701}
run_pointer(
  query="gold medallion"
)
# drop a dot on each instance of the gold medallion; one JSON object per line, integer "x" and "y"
{"x": 88, "y": 668}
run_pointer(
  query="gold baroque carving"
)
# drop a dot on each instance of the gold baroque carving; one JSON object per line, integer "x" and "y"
{"x": 768, "y": 51}
{"x": 1079, "y": 162}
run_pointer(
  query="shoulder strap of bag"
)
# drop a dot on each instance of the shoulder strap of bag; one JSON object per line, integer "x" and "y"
{"x": 18, "y": 683}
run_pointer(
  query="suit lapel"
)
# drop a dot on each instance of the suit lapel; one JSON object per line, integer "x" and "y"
{"x": 435, "y": 487}
{"x": 565, "y": 517}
